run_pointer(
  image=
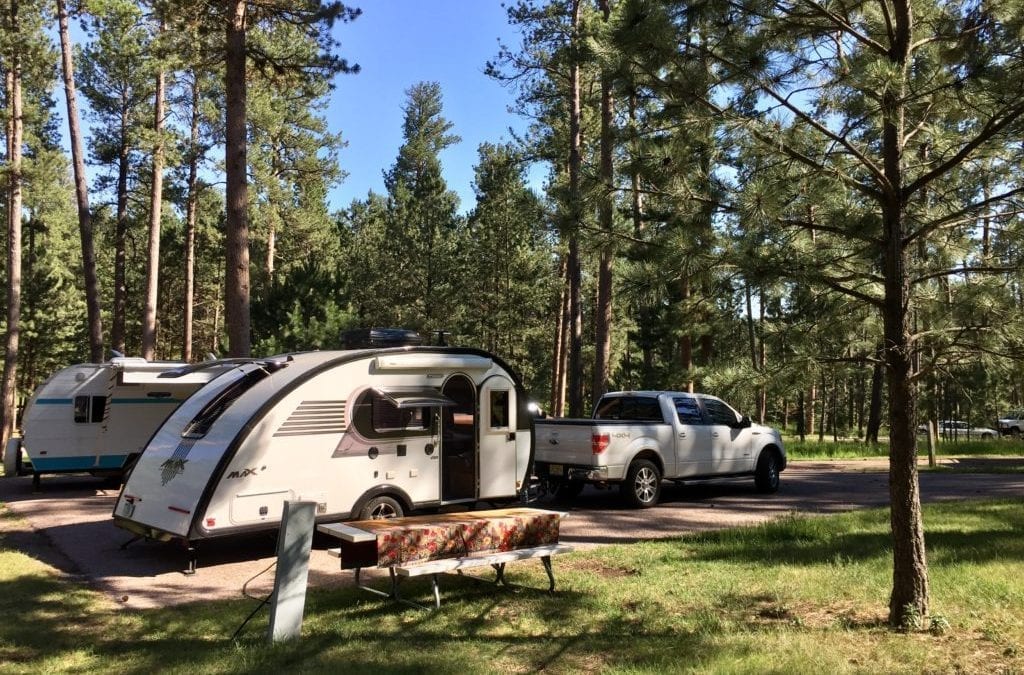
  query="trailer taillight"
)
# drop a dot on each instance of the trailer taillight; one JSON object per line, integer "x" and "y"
{"x": 599, "y": 443}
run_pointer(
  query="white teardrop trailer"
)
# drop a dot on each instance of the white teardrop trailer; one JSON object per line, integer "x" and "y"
{"x": 96, "y": 417}
{"x": 363, "y": 433}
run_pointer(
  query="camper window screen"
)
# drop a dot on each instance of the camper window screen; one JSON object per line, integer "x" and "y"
{"x": 202, "y": 422}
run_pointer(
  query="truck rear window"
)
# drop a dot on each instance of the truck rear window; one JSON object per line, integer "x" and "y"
{"x": 641, "y": 409}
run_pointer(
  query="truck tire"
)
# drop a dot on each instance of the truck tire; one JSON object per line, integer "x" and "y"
{"x": 643, "y": 484}
{"x": 380, "y": 508}
{"x": 766, "y": 476}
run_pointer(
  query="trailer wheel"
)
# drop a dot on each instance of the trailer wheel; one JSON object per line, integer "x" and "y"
{"x": 380, "y": 508}
{"x": 12, "y": 458}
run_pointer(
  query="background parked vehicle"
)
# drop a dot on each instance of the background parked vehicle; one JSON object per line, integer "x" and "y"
{"x": 1012, "y": 424}
{"x": 956, "y": 430}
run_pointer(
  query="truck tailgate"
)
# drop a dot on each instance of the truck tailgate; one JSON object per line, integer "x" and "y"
{"x": 565, "y": 441}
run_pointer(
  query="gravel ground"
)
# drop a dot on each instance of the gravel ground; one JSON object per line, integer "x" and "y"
{"x": 68, "y": 525}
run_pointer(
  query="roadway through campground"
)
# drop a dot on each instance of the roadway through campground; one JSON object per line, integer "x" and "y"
{"x": 68, "y": 524}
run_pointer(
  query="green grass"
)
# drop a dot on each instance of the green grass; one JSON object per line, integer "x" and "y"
{"x": 852, "y": 449}
{"x": 797, "y": 595}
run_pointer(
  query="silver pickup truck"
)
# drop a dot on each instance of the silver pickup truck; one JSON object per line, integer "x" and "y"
{"x": 638, "y": 438}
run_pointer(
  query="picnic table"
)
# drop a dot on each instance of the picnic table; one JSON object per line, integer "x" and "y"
{"x": 444, "y": 543}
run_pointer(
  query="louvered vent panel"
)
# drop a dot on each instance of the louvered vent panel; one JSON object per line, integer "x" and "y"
{"x": 314, "y": 417}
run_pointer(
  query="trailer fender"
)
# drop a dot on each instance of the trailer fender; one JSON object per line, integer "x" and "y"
{"x": 396, "y": 493}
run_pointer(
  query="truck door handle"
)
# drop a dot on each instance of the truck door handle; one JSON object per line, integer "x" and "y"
{"x": 714, "y": 434}
{"x": 682, "y": 434}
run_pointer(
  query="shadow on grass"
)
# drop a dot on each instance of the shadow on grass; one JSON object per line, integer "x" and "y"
{"x": 801, "y": 540}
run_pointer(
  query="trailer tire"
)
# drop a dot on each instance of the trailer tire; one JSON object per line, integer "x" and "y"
{"x": 12, "y": 458}
{"x": 380, "y": 508}
{"x": 643, "y": 484}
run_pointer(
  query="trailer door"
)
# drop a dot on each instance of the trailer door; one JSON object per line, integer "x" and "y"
{"x": 497, "y": 430}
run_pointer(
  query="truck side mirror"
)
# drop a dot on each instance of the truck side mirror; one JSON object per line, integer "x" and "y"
{"x": 744, "y": 422}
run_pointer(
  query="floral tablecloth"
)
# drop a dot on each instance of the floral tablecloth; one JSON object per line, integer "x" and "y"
{"x": 421, "y": 538}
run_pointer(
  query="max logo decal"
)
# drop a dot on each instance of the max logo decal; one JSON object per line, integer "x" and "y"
{"x": 245, "y": 473}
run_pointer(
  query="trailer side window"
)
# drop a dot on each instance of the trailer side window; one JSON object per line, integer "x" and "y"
{"x": 89, "y": 409}
{"x": 499, "y": 409}
{"x": 81, "y": 409}
{"x": 202, "y": 422}
{"x": 387, "y": 417}
{"x": 376, "y": 416}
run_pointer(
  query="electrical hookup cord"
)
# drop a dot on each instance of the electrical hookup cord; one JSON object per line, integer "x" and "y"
{"x": 262, "y": 602}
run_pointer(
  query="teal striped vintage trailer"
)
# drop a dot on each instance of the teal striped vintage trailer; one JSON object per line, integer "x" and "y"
{"x": 97, "y": 417}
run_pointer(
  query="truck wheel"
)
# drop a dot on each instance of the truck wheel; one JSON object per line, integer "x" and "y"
{"x": 380, "y": 508}
{"x": 766, "y": 477}
{"x": 643, "y": 484}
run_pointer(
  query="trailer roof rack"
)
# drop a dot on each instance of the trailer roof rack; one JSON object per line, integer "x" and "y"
{"x": 370, "y": 338}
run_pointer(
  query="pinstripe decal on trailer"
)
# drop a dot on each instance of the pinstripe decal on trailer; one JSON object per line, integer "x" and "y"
{"x": 314, "y": 417}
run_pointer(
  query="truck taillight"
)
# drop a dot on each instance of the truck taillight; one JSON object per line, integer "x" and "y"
{"x": 599, "y": 443}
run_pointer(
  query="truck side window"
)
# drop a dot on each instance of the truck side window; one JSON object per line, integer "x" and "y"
{"x": 688, "y": 411}
{"x": 720, "y": 413}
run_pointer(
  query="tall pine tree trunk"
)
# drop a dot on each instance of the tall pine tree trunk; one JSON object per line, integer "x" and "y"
{"x": 558, "y": 353}
{"x": 15, "y": 127}
{"x": 190, "y": 225}
{"x": 603, "y": 313}
{"x": 155, "y": 206}
{"x": 236, "y": 240}
{"x": 120, "y": 308}
{"x": 575, "y": 368}
{"x": 91, "y": 279}
{"x": 910, "y": 594}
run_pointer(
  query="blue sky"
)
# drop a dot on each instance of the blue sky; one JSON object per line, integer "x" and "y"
{"x": 398, "y": 43}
